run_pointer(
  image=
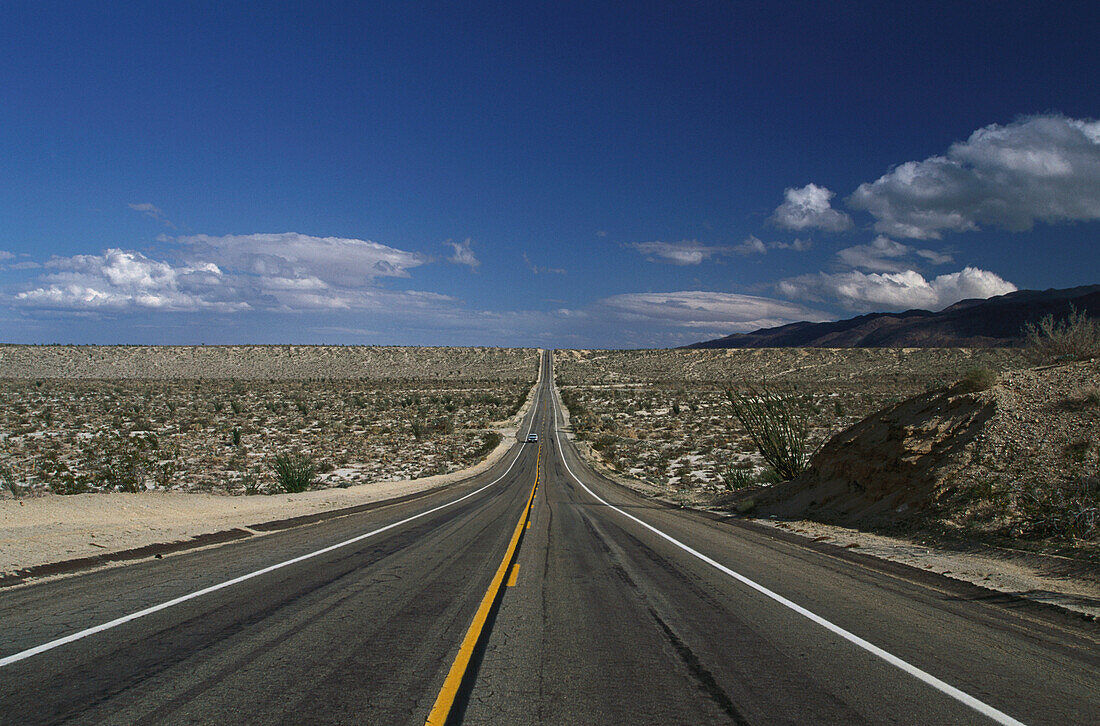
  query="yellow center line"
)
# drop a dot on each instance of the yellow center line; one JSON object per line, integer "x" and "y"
{"x": 446, "y": 698}
{"x": 514, "y": 576}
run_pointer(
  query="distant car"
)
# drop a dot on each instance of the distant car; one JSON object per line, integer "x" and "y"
{"x": 532, "y": 438}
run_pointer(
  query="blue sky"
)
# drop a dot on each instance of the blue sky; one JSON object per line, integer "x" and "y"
{"x": 553, "y": 174}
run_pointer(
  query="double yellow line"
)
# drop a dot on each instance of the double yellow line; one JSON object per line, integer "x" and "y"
{"x": 446, "y": 698}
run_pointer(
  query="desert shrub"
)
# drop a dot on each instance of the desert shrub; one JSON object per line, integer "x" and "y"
{"x": 1092, "y": 396}
{"x": 7, "y": 479}
{"x": 738, "y": 476}
{"x": 293, "y": 472}
{"x": 975, "y": 380}
{"x": 778, "y": 426}
{"x": 120, "y": 462}
{"x": 604, "y": 442}
{"x": 251, "y": 483}
{"x": 1074, "y": 337}
{"x": 488, "y": 443}
{"x": 1068, "y": 511}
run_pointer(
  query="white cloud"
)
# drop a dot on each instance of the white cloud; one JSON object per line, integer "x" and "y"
{"x": 751, "y": 246}
{"x": 1039, "y": 168}
{"x": 5, "y": 255}
{"x": 698, "y": 309}
{"x": 463, "y": 255}
{"x": 886, "y": 255}
{"x": 861, "y": 291}
{"x": 810, "y": 208}
{"x": 335, "y": 260}
{"x": 693, "y": 252}
{"x": 274, "y": 272}
{"x": 537, "y": 270}
{"x": 121, "y": 280}
{"x": 151, "y": 211}
{"x": 685, "y": 252}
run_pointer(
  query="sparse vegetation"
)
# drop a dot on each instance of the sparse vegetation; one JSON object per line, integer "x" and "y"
{"x": 7, "y": 479}
{"x": 129, "y": 433}
{"x": 622, "y": 403}
{"x": 293, "y": 472}
{"x": 1067, "y": 511}
{"x": 1072, "y": 338}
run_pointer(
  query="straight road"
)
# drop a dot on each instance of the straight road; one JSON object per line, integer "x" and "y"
{"x": 621, "y": 609}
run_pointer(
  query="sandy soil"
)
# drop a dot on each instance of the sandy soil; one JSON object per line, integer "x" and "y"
{"x": 54, "y": 528}
{"x": 1043, "y": 578}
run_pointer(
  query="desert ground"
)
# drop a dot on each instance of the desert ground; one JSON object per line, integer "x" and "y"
{"x": 110, "y": 449}
{"x": 663, "y": 418}
{"x": 996, "y": 483}
{"x": 97, "y": 419}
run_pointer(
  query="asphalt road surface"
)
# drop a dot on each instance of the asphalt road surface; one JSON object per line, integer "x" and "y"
{"x": 613, "y": 609}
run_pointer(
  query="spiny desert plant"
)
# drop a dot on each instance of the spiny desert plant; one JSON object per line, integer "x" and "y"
{"x": 293, "y": 472}
{"x": 7, "y": 478}
{"x": 778, "y": 426}
{"x": 1074, "y": 337}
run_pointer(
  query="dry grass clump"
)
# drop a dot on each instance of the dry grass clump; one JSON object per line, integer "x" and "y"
{"x": 976, "y": 380}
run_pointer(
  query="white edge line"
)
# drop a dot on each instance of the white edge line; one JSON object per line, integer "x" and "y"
{"x": 30, "y": 652}
{"x": 961, "y": 696}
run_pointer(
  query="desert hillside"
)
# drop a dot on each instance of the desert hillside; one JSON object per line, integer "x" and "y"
{"x": 1019, "y": 460}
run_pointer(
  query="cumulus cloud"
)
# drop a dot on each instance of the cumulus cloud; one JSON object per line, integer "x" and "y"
{"x": 5, "y": 255}
{"x": 810, "y": 207}
{"x": 698, "y": 309}
{"x": 907, "y": 289}
{"x": 273, "y": 272}
{"x": 886, "y": 255}
{"x": 120, "y": 280}
{"x": 463, "y": 255}
{"x": 1039, "y": 168}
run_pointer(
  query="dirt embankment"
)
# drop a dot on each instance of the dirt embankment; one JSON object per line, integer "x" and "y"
{"x": 1017, "y": 462}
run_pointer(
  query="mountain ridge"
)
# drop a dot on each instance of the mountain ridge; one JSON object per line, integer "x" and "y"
{"x": 976, "y": 323}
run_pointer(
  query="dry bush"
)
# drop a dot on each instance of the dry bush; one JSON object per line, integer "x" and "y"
{"x": 1074, "y": 337}
{"x": 976, "y": 379}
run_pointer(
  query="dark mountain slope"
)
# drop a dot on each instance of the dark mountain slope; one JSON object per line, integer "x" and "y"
{"x": 997, "y": 321}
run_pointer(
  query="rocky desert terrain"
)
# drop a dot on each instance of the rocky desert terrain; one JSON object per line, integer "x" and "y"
{"x": 77, "y": 419}
{"x": 663, "y": 417}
